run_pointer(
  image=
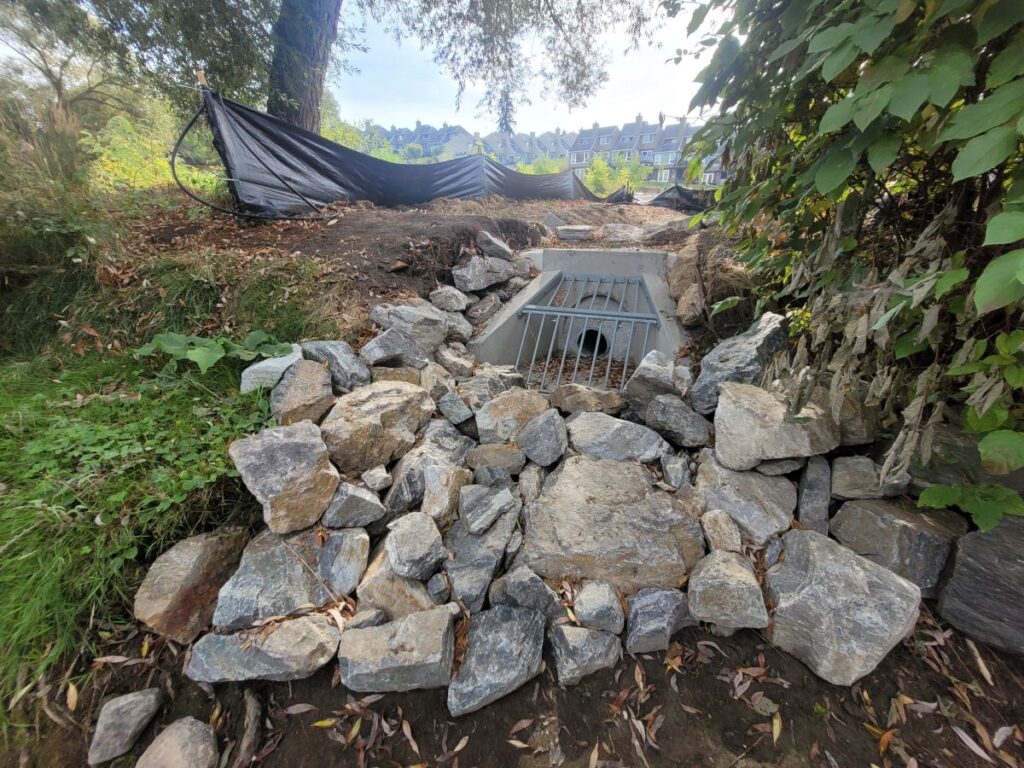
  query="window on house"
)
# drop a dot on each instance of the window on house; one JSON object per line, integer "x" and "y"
{"x": 575, "y": 157}
{"x": 645, "y": 155}
{"x": 663, "y": 174}
{"x": 648, "y": 138}
{"x": 604, "y": 140}
{"x": 580, "y": 172}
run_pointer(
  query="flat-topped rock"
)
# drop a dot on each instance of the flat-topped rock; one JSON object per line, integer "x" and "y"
{"x": 353, "y": 507}
{"x": 304, "y": 392}
{"x": 576, "y": 398}
{"x": 396, "y": 595}
{"x": 121, "y": 721}
{"x": 497, "y": 456}
{"x": 185, "y": 743}
{"x": 420, "y": 321}
{"x": 289, "y": 472}
{"x": 723, "y": 590}
{"x": 394, "y": 348}
{"x": 606, "y": 437}
{"x": 654, "y": 616}
{"x": 597, "y": 606}
{"x": 491, "y": 245}
{"x": 858, "y": 477}
{"x": 264, "y": 374}
{"x": 678, "y": 423}
{"x": 347, "y": 370}
{"x": 524, "y": 588}
{"x": 449, "y": 299}
{"x": 414, "y": 546}
{"x": 742, "y": 358}
{"x": 501, "y": 417}
{"x": 579, "y": 652}
{"x": 604, "y": 520}
{"x": 481, "y": 272}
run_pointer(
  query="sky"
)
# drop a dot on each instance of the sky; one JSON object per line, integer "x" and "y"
{"x": 398, "y": 84}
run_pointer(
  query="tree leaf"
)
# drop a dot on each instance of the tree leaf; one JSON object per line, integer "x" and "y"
{"x": 950, "y": 280}
{"x": 999, "y": 17}
{"x": 838, "y": 60}
{"x": 724, "y": 304}
{"x": 882, "y": 153}
{"x": 999, "y": 285}
{"x": 1008, "y": 64}
{"x": 1003, "y": 228}
{"x": 835, "y": 169}
{"x": 940, "y": 496}
{"x": 908, "y": 94}
{"x": 1002, "y": 451}
{"x": 838, "y": 115}
{"x": 205, "y": 356}
{"x": 997, "y": 108}
{"x": 871, "y": 106}
{"x": 830, "y": 38}
{"x": 872, "y": 34}
{"x": 985, "y": 152}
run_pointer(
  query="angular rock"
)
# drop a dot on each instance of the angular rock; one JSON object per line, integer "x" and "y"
{"x": 490, "y": 245}
{"x": 407, "y": 654}
{"x": 376, "y": 478}
{"x": 383, "y": 373}
{"x": 551, "y": 220}
{"x": 475, "y": 558}
{"x": 414, "y": 546}
{"x": 544, "y": 439}
{"x": 606, "y": 437}
{"x": 776, "y": 467}
{"x": 654, "y": 376}
{"x": 487, "y": 382}
{"x": 915, "y": 543}
{"x": 422, "y": 322}
{"x": 720, "y": 531}
{"x": 347, "y": 370}
{"x": 442, "y": 485}
{"x": 481, "y": 272}
{"x": 603, "y": 520}
{"x": 480, "y": 505}
{"x": 453, "y": 408}
{"x": 575, "y": 232}
{"x": 742, "y": 358}
{"x": 752, "y": 425}
{"x": 504, "y": 652}
{"x": 675, "y": 470}
{"x": 436, "y": 380}
{"x": 264, "y": 374}
{"x": 679, "y": 423}
{"x": 986, "y": 590}
{"x": 396, "y": 595}
{"x": 501, "y": 417}
{"x": 597, "y": 606}
{"x": 179, "y": 593}
{"x": 121, "y": 721}
{"x": 185, "y": 743}
{"x": 394, "y": 348}
{"x": 524, "y": 588}
{"x": 836, "y": 611}
{"x": 438, "y": 588}
{"x": 484, "y": 309}
{"x": 440, "y": 445}
{"x": 280, "y": 574}
{"x": 304, "y": 392}
{"x": 531, "y": 480}
{"x": 579, "y": 652}
{"x": 574, "y": 398}
{"x": 670, "y": 232}
{"x": 815, "y": 495}
{"x": 723, "y": 590}
{"x": 353, "y": 507}
{"x": 459, "y": 328}
{"x": 289, "y": 472}
{"x": 375, "y": 424}
{"x": 654, "y": 616}
{"x": 858, "y": 477}
{"x": 622, "y": 233}
{"x": 449, "y": 299}
{"x": 455, "y": 362}
{"x": 497, "y": 456}
{"x": 291, "y": 650}
{"x": 368, "y": 617}
{"x": 760, "y": 505}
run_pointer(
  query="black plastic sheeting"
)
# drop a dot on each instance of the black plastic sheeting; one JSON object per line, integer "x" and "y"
{"x": 277, "y": 169}
{"x": 683, "y": 199}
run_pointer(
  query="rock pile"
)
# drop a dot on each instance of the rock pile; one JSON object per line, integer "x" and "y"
{"x": 437, "y": 489}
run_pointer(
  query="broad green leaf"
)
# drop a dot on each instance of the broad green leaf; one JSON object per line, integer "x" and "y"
{"x": 887, "y": 70}
{"x": 1002, "y": 451}
{"x": 830, "y": 38}
{"x": 948, "y": 6}
{"x": 838, "y": 115}
{"x": 871, "y": 106}
{"x": 835, "y": 169}
{"x": 697, "y": 18}
{"x": 987, "y": 504}
{"x": 908, "y": 94}
{"x": 1014, "y": 375}
{"x": 871, "y": 35}
{"x": 1008, "y": 64}
{"x": 205, "y": 356}
{"x": 724, "y": 304}
{"x": 254, "y": 338}
{"x": 882, "y": 153}
{"x": 1004, "y": 228}
{"x": 985, "y": 152}
{"x": 905, "y": 346}
{"x": 999, "y": 17}
{"x": 889, "y": 315}
{"x": 998, "y": 107}
{"x": 838, "y": 60}
{"x": 999, "y": 285}
{"x": 994, "y": 418}
{"x": 940, "y": 496}
{"x": 950, "y": 280}
{"x": 786, "y": 47}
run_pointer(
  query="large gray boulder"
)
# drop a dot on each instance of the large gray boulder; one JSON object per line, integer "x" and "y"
{"x": 544, "y": 439}
{"x": 442, "y": 486}
{"x": 606, "y": 437}
{"x": 394, "y": 348}
{"x": 396, "y": 595}
{"x": 481, "y": 272}
{"x": 503, "y": 653}
{"x": 121, "y": 721}
{"x": 375, "y": 424}
{"x": 752, "y": 425}
{"x": 858, "y": 477}
{"x": 440, "y": 445}
{"x": 760, "y": 505}
{"x": 291, "y": 650}
{"x": 679, "y": 423}
{"x": 449, "y": 299}
{"x": 836, "y": 611}
{"x": 490, "y": 245}
{"x": 654, "y": 616}
{"x": 289, "y": 472}
{"x": 604, "y": 520}
{"x": 486, "y": 381}
{"x": 815, "y": 494}
{"x": 984, "y": 595}
{"x": 264, "y": 374}
{"x": 185, "y": 743}
{"x": 524, "y": 588}
{"x": 179, "y": 593}
{"x": 483, "y": 310}
{"x": 353, "y": 507}
{"x": 500, "y": 418}
{"x": 915, "y": 543}
{"x": 280, "y": 574}
{"x": 503, "y": 456}
{"x": 481, "y": 505}
{"x": 721, "y": 531}
{"x": 304, "y": 392}
{"x": 579, "y": 652}
{"x": 654, "y": 376}
{"x": 347, "y": 370}
{"x": 723, "y": 590}
{"x": 403, "y": 655}
{"x": 597, "y": 606}
{"x": 742, "y": 358}
{"x": 574, "y": 398}
{"x": 414, "y": 546}
{"x": 474, "y": 558}
{"x": 420, "y": 321}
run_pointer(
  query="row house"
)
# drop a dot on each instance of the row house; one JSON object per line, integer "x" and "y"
{"x": 434, "y": 141}
{"x": 451, "y": 141}
{"x": 655, "y": 144}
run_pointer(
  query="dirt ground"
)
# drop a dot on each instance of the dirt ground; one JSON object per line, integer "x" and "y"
{"x": 710, "y": 701}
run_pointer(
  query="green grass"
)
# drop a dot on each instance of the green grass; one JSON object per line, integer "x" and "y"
{"x": 106, "y": 465}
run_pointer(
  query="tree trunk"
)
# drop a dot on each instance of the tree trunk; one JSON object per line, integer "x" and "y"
{"x": 303, "y": 36}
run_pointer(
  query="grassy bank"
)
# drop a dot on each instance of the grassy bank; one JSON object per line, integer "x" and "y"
{"x": 104, "y": 464}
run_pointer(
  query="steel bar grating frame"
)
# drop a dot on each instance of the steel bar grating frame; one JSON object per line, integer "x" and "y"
{"x": 579, "y": 319}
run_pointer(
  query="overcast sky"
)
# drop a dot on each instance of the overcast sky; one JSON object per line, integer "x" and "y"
{"x": 399, "y": 84}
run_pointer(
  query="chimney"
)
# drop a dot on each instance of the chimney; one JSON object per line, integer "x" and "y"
{"x": 417, "y": 123}
{"x": 639, "y": 118}
{"x": 533, "y": 134}
{"x": 596, "y": 126}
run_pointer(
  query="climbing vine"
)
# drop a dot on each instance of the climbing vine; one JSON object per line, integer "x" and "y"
{"x": 877, "y": 186}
